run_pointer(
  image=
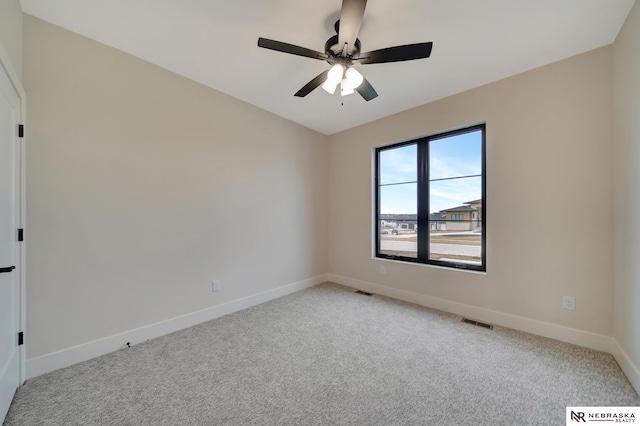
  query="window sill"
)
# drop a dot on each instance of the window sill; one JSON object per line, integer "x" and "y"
{"x": 428, "y": 265}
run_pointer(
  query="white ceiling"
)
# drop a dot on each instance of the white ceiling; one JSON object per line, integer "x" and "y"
{"x": 214, "y": 42}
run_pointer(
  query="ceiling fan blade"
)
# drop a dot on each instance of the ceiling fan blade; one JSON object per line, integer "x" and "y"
{"x": 406, "y": 52}
{"x": 308, "y": 88}
{"x": 350, "y": 21}
{"x": 366, "y": 90}
{"x": 290, "y": 48}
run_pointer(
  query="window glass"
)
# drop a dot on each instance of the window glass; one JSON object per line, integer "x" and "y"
{"x": 438, "y": 181}
{"x": 397, "y": 195}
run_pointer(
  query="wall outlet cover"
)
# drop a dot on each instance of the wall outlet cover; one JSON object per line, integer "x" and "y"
{"x": 569, "y": 302}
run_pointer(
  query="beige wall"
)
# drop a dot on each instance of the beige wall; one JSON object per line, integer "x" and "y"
{"x": 11, "y": 32}
{"x": 548, "y": 151}
{"x": 144, "y": 186}
{"x": 626, "y": 132}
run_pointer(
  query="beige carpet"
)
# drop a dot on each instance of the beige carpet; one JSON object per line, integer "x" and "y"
{"x": 328, "y": 356}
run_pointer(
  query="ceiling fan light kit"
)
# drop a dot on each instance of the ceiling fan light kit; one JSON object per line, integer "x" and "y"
{"x": 348, "y": 80}
{"x": 343, "y": 50}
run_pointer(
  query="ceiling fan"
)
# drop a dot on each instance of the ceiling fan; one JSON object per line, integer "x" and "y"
{"x": 342, "y": 51}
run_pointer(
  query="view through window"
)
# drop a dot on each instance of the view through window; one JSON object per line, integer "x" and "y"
{"x": 430, "y": 200}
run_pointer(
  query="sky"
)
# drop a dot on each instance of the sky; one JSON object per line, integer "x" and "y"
{"x": 451, "y": 157}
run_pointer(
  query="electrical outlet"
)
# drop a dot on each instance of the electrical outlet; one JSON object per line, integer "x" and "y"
{"x": 569, "y": 302}
{"x": 383, "y": 270}
{"x": 216, "y": 285}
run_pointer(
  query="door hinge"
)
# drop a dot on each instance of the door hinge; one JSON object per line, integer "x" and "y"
{"x": 20, "y": 234}
{"x": 21, "y": 130}
{"x": 20, "y": 338}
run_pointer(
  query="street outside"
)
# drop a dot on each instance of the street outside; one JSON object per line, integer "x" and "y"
{"x": 457, "y": 246}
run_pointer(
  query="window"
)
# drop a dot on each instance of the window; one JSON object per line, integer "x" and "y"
{"x": 438, "y": 181}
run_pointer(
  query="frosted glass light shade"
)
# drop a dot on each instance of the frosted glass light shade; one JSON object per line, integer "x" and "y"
{"x": 347, "y": 88}
{"x": 354, "y": 77}
{"x": 330, "y": 86}
{"x": 335, "y": 73}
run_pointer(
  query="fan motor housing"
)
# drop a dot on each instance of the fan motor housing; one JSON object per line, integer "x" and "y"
{"x": 333, "y": 50}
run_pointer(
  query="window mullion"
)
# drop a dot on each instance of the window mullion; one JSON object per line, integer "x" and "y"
{"x": 423, "y": 200}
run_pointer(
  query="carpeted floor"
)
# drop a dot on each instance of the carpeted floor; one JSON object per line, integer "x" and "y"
{"x": 328, "y": 356}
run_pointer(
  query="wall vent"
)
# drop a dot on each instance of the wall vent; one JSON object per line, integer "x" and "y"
{"x": 478, "y": 323}
{"x": 364, "y": 293}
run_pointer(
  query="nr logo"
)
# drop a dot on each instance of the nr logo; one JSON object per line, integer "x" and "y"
{"x": 576, "y": 417}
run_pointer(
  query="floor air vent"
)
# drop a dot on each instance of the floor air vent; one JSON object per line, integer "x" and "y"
{"x": 478, "y": 323}
{"x": 364, "y": 293}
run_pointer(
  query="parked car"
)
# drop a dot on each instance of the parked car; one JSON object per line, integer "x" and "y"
{"x": 383, "y": 231}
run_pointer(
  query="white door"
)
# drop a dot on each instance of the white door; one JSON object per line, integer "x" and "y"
{"x": 10, "y": 187}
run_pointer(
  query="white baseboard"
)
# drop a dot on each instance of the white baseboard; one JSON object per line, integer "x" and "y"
{"x": 540, "y": 328}
{"x": 630, "y": 369}
{"x": 66, "y": 357}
